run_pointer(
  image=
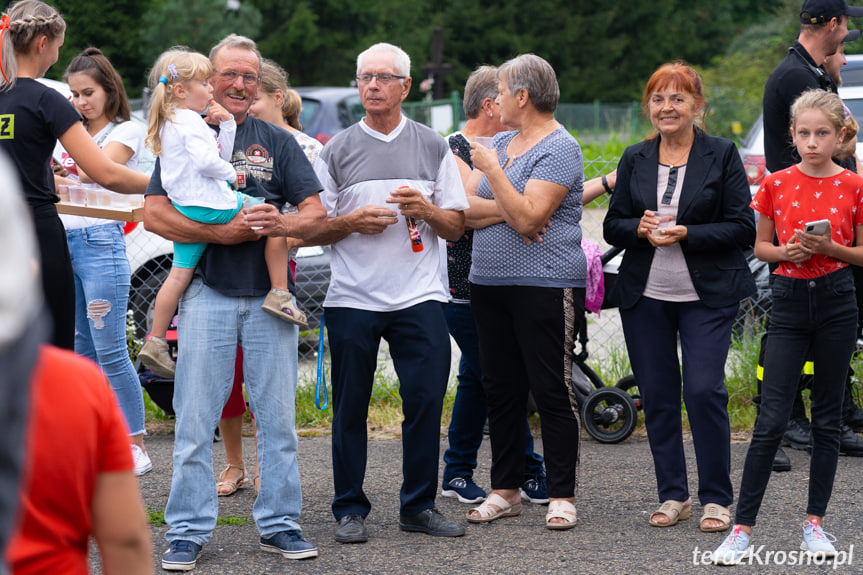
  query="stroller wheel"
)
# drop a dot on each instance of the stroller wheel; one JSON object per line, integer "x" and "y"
{"x": 629, "y": 385}
{"x": 609, "y": 415}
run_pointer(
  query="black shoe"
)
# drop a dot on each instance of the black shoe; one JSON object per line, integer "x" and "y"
{"x": 781, "y": 462}
{"x": 431, "y": 522}
{"x": 797, "y": 435}
{"x": 352, "y": 529}
{"x": 854, "y": 418}
{"x": 850, "y": 443}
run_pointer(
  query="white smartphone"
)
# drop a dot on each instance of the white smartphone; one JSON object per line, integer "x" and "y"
{"x": 817, "y": 228}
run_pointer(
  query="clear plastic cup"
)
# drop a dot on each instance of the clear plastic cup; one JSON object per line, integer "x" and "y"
{"x": 249, "y": 201}
{"x": 485, "y": 141}
{"x": 78, "y": 195}
{"x": 63, "y": 192}
{"x": 99, "y": 198}
{"x": 667, "y": 218}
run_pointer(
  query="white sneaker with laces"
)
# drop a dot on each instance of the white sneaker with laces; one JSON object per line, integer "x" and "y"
{"x": 817, "y": 541}
{"x": 734, "y": 549}
{"x": 141, "y": 460}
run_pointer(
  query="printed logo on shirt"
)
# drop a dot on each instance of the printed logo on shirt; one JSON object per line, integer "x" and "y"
{"x": 257, "y": 154}
{"x": 7, "y": 126}
{"x": 241, "y": 181}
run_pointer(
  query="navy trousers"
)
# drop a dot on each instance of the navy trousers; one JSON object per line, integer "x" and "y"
{"x": 651, "y": 329}
{"x": 420, "y": 349}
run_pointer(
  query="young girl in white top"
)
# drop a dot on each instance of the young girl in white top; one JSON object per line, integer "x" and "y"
{"x": 814, "y": 310}
{"x": 196, "y": 173}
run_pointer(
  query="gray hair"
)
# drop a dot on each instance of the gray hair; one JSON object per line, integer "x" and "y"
{"x": 28, "y": 19}
{"x": 237, "y": 41}
{"x": 401, "y": 60}
{"x": 532, "y": 73}
{"x": 481, "y": 84}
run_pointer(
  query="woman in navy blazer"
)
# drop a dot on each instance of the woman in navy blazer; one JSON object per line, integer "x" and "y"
{"x": 681, "y": 210}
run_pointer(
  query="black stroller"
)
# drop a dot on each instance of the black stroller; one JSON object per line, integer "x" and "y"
{"x": 609, "y": 413}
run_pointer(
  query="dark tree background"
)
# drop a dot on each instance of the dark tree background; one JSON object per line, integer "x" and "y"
{"x": 600, "y": 50}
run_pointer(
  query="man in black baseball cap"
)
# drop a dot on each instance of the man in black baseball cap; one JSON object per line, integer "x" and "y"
{"x": 822, "y": 11}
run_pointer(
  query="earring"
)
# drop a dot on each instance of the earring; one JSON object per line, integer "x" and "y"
{"x": 490, "y": 115}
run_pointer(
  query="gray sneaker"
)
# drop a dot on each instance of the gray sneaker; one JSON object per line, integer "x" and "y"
{"x": 157, "y": 357}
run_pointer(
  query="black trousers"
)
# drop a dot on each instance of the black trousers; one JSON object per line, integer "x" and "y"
{"x": 526, "y": 342}
{"x": 58, "y": 281}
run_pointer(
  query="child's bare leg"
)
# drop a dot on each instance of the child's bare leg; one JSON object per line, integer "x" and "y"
{"x": 279, "y": 302}
{"x": 155, "y": 353}
{"x": 168, "y": 298}
{"x": 276, "y": 255}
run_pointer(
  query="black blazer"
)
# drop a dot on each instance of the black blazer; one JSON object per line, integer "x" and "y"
{"x": 714, "y": 207}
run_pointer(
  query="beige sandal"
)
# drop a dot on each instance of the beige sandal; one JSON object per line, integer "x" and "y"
{"x": 487, "y": 513}
{"x": 674, "y": 510}
{"x": 560, "y": 509}
{"x": 719, "y": 513}
{"x": 231, "y": 485}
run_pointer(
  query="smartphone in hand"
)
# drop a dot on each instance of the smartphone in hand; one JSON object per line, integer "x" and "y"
{"x": 817, "y": 228}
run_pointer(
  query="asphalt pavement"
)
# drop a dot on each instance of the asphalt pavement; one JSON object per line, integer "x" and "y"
{"x": 617, "y": 493}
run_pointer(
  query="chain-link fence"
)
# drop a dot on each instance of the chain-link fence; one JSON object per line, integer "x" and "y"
{"x": 150, "y": 256}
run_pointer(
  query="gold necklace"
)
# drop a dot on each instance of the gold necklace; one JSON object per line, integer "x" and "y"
{"x": 684, "y": 155}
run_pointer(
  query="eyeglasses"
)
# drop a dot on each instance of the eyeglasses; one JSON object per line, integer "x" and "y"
{"x": 382, "y": 79}
{"x": 230, "y": 76}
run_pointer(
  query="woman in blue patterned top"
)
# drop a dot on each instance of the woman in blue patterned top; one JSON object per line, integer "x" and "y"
{"x": 526, "y": 292}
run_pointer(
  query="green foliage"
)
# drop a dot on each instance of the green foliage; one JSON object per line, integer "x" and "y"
{"x": 198, "y": 24}
{"x": 110, "y": 25}
{"x": 155, "y": 517}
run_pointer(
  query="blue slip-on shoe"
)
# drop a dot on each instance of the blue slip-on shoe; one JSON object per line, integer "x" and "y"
{"x": 817, "y": 541}
{"x": 534, "y": 490}
{"x": 465, "y": 489}
{"x": 290, "y": 544}
{"x": 734, "y": 549}
{"x": 181, "y": 555}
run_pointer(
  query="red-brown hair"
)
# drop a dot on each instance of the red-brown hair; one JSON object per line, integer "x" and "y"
{"x": 680, "y": 76}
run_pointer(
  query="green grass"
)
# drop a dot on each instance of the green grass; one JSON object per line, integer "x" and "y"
{"x": 157, "y": 517}
{"x": 385, "y": 406}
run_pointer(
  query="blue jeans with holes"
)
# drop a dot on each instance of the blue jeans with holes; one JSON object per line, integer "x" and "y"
{"x": 102, "y": 282}
{"x": 817, "y": 315}
{"x": 470, "y": 410}
{"x": 210, "y": 327}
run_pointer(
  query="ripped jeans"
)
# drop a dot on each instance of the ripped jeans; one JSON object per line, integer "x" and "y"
{"x": 102, "y": 281}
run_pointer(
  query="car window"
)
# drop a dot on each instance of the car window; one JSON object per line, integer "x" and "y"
{"x": 309, "y": 111}
{"x": 856, "y": 107}
{"x": 350, "y": 111}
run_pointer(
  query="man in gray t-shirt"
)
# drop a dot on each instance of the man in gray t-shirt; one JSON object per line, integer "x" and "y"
{"x": 382, "y": 177}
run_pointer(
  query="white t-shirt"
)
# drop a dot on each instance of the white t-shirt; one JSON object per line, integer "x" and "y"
{"x": 195, "y": 166}
{"x": 381, "y": 272}
{"x": 129, "y": 134}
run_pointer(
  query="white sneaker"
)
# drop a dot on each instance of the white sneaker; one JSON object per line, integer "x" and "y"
{"x": 141, "y": 460}
{"x": 817, "y": 541}
{"x": 734, "y": 549}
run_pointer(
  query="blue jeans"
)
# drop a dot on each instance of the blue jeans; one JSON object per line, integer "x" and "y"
{"x": 470, "y": 410}
{"x": 102, "y": 282}
{"x": 817, "y": 316}
{"x": 210, "y": 327}
{"x": 651, "y": 328}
